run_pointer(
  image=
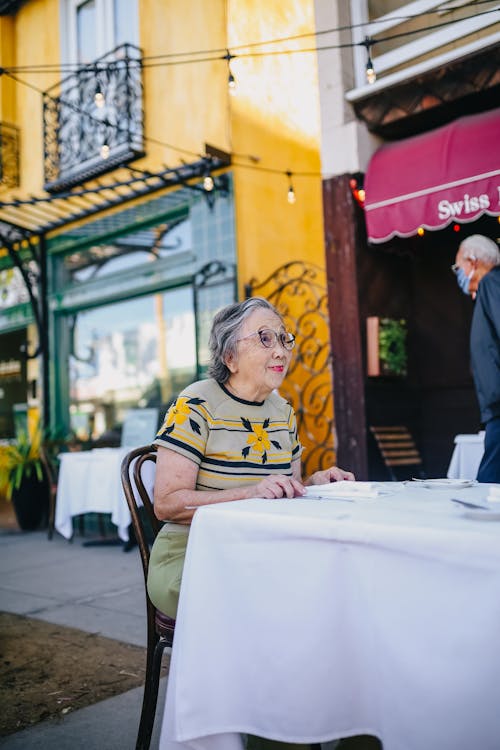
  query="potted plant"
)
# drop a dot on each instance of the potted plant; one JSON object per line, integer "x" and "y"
{"x": 392, "y": 347}
{"x": 24, "y": 480}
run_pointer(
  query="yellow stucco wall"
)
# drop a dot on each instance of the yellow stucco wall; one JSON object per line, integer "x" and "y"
{"x": 275, "y": 117}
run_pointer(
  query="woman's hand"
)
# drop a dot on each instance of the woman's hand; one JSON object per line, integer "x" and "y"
{"x": 334, "y": 474}
{"x": 277, "y": 486}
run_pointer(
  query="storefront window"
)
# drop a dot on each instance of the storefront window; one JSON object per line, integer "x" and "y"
{"x": 136, "y": 353}
{"x": 131, "y": 314}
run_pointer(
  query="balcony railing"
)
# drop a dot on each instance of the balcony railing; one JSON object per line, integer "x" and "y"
{"x": 9, "y": 156}
{"x": 93, "y": 119}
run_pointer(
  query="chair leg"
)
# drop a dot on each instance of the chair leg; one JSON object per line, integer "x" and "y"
{"x": 150, "y": 696}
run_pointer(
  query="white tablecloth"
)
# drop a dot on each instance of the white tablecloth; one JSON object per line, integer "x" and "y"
{"x": 467, "y": 456}
{"x": 307, "y": 620}
{"x": 89, "y": 482}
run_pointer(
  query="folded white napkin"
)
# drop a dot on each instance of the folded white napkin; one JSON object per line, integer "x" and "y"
{"x": 494, "y": 494}
{"x": 342, "y": 489}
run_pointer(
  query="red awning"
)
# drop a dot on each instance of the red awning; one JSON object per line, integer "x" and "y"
{"x": 451, "y": 174}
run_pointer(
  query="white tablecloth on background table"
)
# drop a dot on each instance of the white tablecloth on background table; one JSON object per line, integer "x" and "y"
{"x": 89, "y": 482}
{"x": 466, "y": 456}
{"x": 306, "y": 620}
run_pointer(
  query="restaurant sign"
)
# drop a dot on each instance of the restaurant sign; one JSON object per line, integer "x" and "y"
{"x": 451, "y": 174}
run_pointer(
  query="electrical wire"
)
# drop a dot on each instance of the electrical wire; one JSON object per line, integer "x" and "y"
{"x": 217, "y": 53}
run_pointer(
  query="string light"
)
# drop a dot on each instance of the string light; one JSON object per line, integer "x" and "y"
{"x": 371, "y": 76}
{"x": 291, "y": 197}
{"x": 420, "y": 231}
{"x": 104, "y": 151}
{"x": 99, "y": 97}
{"x": 358, "y": 192}
{"x": 208, "y": 184}
{"x": 231, "y": 80}
{"x": 456, "y": 227}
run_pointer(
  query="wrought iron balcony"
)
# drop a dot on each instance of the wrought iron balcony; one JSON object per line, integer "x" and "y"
{"x": 93, "y": 119}
{"x": 9, "y": 156}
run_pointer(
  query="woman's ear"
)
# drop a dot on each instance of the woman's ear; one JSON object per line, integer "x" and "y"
{"x": 231, "y": 363}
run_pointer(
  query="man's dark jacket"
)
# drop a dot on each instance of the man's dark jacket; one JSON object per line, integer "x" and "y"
{"x": 485, "y": 345}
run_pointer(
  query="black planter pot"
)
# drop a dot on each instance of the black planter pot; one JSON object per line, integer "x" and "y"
{"x": 31, "y": 502}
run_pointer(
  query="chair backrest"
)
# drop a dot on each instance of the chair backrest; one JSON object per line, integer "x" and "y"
{"x": 137, "y": 474}
{"x": 398, "y": 449}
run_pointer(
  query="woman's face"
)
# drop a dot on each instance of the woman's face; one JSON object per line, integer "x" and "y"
{"x": 255, "y": 367}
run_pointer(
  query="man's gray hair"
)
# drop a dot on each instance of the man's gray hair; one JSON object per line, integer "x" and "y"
{"x": 226, "y": 328}
{"x": 482, "y": 248}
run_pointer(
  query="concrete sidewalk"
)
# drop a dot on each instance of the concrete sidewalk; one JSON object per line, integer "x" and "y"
{"x": 95, "y": 589}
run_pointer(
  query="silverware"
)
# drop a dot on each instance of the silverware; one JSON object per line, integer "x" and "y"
{"x": 468, "y": 504}
{"x": 328, "y": 497}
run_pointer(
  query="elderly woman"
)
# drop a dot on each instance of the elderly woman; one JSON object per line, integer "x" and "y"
{"x": 231, "y": 437}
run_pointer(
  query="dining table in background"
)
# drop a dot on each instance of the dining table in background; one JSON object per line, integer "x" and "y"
{"x": 308, "y": 620}
{"x": 89, "y": 482}
{"x": 466, "y": 456}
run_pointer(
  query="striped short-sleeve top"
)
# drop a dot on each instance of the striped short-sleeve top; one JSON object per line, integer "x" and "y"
{"x": 233, "y": 442}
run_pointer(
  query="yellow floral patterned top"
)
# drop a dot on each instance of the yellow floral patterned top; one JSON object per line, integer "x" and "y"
{"x": 233, "y": 441}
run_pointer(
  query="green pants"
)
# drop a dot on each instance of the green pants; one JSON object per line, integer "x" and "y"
{"x": 165, "y": 568}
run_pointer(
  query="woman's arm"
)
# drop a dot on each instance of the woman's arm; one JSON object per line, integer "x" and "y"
{"x": 176, "y": 499}
{"x": 334, "y": 474}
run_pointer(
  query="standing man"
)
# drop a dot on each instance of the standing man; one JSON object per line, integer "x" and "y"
{"x": 477, "y": 268}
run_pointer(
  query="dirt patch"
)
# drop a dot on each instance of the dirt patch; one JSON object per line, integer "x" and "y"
{"x": 49, "y": 670}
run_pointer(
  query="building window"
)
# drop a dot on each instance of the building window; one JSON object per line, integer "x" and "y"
{"x": 92, "y": 28}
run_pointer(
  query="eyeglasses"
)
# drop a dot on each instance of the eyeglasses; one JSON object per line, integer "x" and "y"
{"x": 269, "y": 338}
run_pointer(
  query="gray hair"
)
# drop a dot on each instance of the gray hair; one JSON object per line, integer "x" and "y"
{"x": 226, "y": 328}
{"x": 481, "y": 248}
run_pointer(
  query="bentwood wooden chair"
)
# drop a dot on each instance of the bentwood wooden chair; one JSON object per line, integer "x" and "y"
{"x": 160, "y": 628}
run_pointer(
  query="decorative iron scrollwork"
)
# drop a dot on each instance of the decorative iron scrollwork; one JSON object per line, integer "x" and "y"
{"x": 298, "y": 291}
{"x": 93, "y": 119}
{"x": 9, "y": 155}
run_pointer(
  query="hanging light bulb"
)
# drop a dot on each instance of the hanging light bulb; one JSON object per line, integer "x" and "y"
{"x": 231, "y": 80}
{"x": 291, "y": 197}
{"x": 231, "y": 84}
{"x": 208, "y": 183}
{"x": 99, "y": 97}
{"x": 104, "y": 151}
{"x": 371, "y": 76}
